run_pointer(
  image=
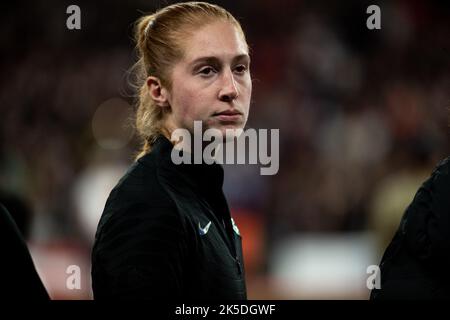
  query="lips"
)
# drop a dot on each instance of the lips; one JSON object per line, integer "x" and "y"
{"x": 229, "y": 116}
{"x": 228, "y": 113}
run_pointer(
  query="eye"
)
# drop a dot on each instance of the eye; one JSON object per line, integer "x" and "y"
{"x": 240, "y": 69}
{"x": 207, "y": 71}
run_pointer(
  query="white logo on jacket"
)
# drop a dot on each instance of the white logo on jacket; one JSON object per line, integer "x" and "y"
{"x": 204, "y": 230}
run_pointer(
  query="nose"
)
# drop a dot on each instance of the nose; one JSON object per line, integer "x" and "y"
{"x": 229, "y": 91}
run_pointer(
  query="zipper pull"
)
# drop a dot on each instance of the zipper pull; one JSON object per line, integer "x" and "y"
{"x": 239, "y": 265}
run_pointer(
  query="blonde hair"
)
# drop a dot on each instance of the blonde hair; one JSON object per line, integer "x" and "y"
{"x": 159, "y": 38}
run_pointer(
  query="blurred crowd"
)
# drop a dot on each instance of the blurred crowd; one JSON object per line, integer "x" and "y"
{"x": 363, "y": 119}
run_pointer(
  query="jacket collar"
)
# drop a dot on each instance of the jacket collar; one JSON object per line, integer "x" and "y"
{"x": 205, "y": 177}
{"x": 184, "y": 181}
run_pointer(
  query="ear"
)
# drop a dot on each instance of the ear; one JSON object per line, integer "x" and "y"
{"x": 158, "y": 93}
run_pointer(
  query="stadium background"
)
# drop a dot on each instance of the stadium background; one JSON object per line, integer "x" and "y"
{"x": 363, "y": 119}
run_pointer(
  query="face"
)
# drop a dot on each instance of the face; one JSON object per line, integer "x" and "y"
{"x": 212, "y": 82}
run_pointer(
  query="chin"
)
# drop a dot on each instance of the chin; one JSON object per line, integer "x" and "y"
{"x": 230, "y": 132}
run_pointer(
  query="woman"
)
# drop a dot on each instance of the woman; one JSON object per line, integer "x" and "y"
{"x": 416, "y": 262}
{"x": 166, "y": 230}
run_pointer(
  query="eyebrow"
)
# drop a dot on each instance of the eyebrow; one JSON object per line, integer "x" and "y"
{"x": 215, "y": 60}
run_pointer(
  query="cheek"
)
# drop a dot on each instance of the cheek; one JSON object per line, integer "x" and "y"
{"x": 182, "y": 101}
{"x": 189, "y": 105}
{"x": 247, "y": 94}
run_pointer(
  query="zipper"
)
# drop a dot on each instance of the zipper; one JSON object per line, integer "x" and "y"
{"x": 239, "y": 265}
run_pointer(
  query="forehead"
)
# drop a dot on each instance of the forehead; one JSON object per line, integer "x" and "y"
{"x": 220, "y": 39}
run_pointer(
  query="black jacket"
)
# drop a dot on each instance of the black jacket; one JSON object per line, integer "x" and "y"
{"x": 20, "y": 281}
{"x": 166, "y": 232}
{"x": 415, "y": 265}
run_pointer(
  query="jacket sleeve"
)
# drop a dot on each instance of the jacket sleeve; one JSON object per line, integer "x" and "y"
{"x": 427, "y": 224}
{"x": 141, "y": 253}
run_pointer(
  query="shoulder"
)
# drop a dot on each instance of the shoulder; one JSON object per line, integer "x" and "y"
{"x": 441, "y": 178}
{"x": 138, "y": 196}
{"x": 433, "y": 193}
{"x": 443, "y": 167}
{"x": 437, "y": 182}
{"x": 138, "y": 213}
{"x": 140, "y": 184}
